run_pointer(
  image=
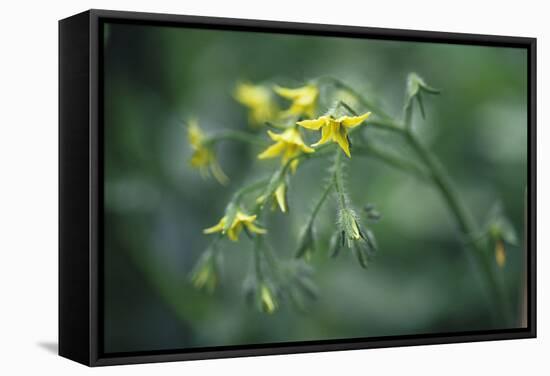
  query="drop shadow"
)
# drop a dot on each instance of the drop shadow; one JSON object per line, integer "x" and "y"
{"x": 50, "y": 347}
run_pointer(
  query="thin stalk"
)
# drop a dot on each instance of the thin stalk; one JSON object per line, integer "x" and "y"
{"x": 386, "y": 124}
{"x": 320, "y": 203}
{"x": 393, "y": 161}
{"x": 249, "y": 188}
{"x": 364, "y": 101}
{"x": 339, "y": 180}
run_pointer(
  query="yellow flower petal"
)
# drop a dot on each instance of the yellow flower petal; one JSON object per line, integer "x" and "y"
{"x": 259, "y": 101}
{"x": 326, "y": 135}
{"x": 304, "y": 99}
{"x": 241, "y": 217}
{"x": 353, "y": 121}
{"x": 272, "y": 151}
{"x": 216, "y": 228}
{"x": 314, "y": 124}
{"x": 280, "y": 196}
{"x": 234, "y": 231}
{"x": 253, "y": 228}
{"x": 340, "y": 136}
{"x": 288, "y": 143}
{"x": 195, "y": 136}
{"x": 288, "y": 93}
{"x": 200, "y": 157}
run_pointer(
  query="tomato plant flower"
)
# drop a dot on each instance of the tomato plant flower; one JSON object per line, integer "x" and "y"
{"x": 288, "y": 144}
{"x": 240, "y": 221}
{"x": 335, "y": 129}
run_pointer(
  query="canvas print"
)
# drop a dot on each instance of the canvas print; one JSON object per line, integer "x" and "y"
{"x": 264, "y": 188}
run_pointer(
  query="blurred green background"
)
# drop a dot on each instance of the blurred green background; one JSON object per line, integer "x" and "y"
{"x": 156, "y": 205}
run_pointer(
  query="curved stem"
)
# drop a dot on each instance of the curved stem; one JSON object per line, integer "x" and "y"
{"x": 441, "y": 181}
{"x": 386, "y": 124}
{"x": 320, "y": 203}
{"x": 465, "y": 222}
{"x": 249, "y": 188}
{"x": 364, "y": 101}
{"x": 388, "y": 158}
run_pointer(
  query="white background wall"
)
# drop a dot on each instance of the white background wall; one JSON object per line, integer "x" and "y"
{"x": 28, "y": 185}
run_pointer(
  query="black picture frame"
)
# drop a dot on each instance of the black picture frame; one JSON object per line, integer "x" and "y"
{"x": 81, "y": 187}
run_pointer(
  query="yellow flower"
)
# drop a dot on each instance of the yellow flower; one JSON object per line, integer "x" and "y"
{"x": 203, "y": 158}
{"x": 287, "y": 144}
{"x": 259, "y": 101}
{"x": 335, "y": 129}
{"x": 240, "y": 221}
{"x": 304, "y": 99}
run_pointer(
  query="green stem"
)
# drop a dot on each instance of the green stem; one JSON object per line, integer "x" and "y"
{"x": 438, "y": 176}
{"x": 339, "y": 180}
{"x": 465, "y": 222}
{"x": 364, "y": 101}
{"x": 386, "y": 124}
{"x": 248, "y": 189}
{"x": 320, "y": 203}
{"x": 392, "y": 160}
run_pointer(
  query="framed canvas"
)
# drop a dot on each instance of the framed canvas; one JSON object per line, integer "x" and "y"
{"x": 238, "y": 187}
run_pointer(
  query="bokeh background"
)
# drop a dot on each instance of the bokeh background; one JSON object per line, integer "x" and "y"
{"x": 156, "y": 205}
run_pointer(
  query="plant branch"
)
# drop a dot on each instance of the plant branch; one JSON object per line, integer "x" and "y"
{"x": 392, "y": 160}
{"x": 364, "y": 101}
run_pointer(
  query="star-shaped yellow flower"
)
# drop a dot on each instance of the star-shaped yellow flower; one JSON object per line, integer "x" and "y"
{"x": 240, "y": 221}
{"x": 287, "y": 144}
{"x": 203, "y": 158}
{"x": 259, "y": 101}
{"x": 334, "y": 129}
{"x": 304, "y": 99}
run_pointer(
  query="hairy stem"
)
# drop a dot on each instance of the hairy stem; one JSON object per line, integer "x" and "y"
{"x": 339, "y": 180}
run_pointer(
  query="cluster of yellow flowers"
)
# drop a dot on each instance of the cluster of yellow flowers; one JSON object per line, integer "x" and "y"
{"x": 288, "y": 144}
{"x": 304, "y": 103}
